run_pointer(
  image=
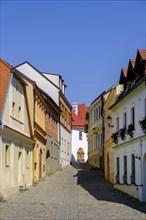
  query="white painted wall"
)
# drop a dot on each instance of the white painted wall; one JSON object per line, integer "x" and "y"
{"x": 16, "y": 135}
{"x": 65, "y": 147}
{"x": 135, "y": 145}
{"x": 41, "y": 81}
{"x": 54, "y": 78}
{"x": 76, "y": 143}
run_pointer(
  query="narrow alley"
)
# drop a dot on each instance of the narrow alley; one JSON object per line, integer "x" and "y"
{"x": 72, "y": 194}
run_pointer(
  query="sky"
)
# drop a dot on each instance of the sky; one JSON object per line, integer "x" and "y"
{"x": 86, "y": 42}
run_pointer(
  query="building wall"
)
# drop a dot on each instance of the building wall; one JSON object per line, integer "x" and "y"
{"x": 13, "y": 116}
{"x": 65, "y": 133}
{"x": 108, "y": 130}
{"x": 53, "y": 155}
{"x": 52, "y": 123}
{"x": 17, "y": 168}
{"x": 65, "y": 148}
{"x": 95, "y": 135}
{"x": 131, "y": 145}
{"x": 39, "y": 155}
{"x": 77, "y": 143}
{"x": 52, "y": 146}
{"x": 42, "y": 83}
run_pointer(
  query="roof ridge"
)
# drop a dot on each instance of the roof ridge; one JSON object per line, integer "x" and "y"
{"x": 7, "y": 64}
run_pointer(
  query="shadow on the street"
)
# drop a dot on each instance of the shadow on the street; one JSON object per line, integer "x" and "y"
{"x": 93, "y": 181}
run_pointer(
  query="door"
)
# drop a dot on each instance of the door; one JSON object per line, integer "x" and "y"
{"x": 19, "y": 168}
{"x": 80, "y": 155}
{"x": 40, "y": 164}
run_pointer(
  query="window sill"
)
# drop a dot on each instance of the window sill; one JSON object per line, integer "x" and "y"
{"x": 16, "y": 119}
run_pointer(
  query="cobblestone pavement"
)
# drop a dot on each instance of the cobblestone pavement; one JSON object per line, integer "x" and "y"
{"x": 72, "y": 194}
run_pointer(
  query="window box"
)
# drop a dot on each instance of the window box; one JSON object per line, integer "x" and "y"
{"x": 142, "y": 123}
{"x": 115, "y": 137}
{"x": 130, "y": 130}
{"x": 122, "y": 133}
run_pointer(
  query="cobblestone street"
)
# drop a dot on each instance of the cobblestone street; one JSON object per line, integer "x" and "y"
{"x": 72, "y": 194}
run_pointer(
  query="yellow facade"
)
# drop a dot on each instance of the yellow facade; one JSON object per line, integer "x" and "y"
{"x": 37, "y": 111}
{"x": 39, "y": 151}
{"x": 108, "y": 144}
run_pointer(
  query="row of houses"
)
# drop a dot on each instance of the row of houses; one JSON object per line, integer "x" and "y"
{"x": 117, "y": 130}
{"x": 35, "y": 126}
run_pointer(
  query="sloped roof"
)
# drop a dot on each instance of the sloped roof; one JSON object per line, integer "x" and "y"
{"x": 123, "y": 75}
{"x": 5, "y": 70}
{"x": 132, "y": 62}
{"x": 79, "y": 121}
{"x": 142, "y": 54}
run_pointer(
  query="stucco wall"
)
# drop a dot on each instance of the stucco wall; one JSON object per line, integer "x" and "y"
{"x": 76, "y": 144}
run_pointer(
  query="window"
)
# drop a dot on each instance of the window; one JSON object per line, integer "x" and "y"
{"x": 68, "y": 148}
{"x": 133, "y": 116}
{"x": 145, "y": 106}
{"x": 16, "y": 87}
{"x": 132, "y": 169}
{"x": 62, "y": 144}
{"x": 7, "y": 156}
{"x": 27, "y": 159}
{"x": 117, "y": 124}
{"x": 101, "y": 140}
{"x": 65, "y": 146}
{"x": 13, "y": 109}
{"x": 99, "y": 112}
{"x": 118, "y": 170}
{"x": 125, "y": 120}
{"x": 80, "y": 135}
{"x": 125, "y": 170}
{"x": 19, "y": 114}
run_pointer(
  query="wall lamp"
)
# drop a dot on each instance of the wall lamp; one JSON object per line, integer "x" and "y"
{"x": 94, "y": 131}
{"x": 137, "y": 157}
{"x": 109, "y": 121}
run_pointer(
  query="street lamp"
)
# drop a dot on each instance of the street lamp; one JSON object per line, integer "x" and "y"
{"x": 109, "y": 121}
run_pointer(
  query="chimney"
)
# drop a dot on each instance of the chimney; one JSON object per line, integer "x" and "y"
{"x": 75, "y": 107}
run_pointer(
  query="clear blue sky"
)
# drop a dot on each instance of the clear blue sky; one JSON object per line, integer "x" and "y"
{"x": 87, "y": 42}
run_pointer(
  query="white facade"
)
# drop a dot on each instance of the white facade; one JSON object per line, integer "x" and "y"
{"x": 130, "y": 153}
{"x": 43, "y": 82}
{"x": 77, "y": 144}
{"x": 65, "y": 148}
{"x": 15, "y": 142}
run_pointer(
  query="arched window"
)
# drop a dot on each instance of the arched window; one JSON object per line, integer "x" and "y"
{"x": 80, "y": 155}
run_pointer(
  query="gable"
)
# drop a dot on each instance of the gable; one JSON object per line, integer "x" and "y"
{"x": 42, "y": 82}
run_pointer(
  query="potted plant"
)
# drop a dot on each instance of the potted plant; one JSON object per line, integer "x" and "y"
{"x": 142, "y": 123}
{"x": 130, "y": 130}
{"x": 122, "y": 133}
{"x": 115, "y": 137}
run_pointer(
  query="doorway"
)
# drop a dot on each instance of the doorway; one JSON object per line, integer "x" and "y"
{"x": 40, "y": 164}
{"x": 19, "y": 168}
{"x": 80, "y": 155}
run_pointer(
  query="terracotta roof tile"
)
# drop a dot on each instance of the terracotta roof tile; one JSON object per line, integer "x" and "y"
{"x": 124, "y": 71}
{"x": 79, "y": 120}
{"x": 5, "y": 70}
{"x": 142, "y": 54}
